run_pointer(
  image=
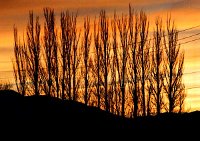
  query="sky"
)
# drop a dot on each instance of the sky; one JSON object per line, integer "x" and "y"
{"x": 185, "y": 13}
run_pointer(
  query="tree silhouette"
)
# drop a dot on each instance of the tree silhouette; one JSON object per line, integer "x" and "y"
{"x": 144, "y": 55}
{"x": 173, "y": 68}
{"x": 63, "y": 52}
{"x": 33, "y": 52}
{"x": 75, "y": 63}
{"x": 104, "y": 38}
{"x": 156, "y": 80}
{"x": 49, "y": 47}
{"x": 96, "y": 69}
{"x": 86, "y": 50}
{"x": 69, "y": 41}
{"x": 19, "y": 64}
{"x": 114, "y": 66}
{"x": 123, "y": 28}
{"x": 134, "y": 59}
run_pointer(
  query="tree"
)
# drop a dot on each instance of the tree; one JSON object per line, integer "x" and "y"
{"x": 49, "y": 47}
{"x": 134, "y": 70}
{"x": 86, "y": 50}
{"x": 123, "y": 28}
{"x": 75, "y": 59}
{"x": 69, "y": 41}
{"x": 97, "y": 63}
{"x": 19, "y": 65}
{"x": 173, "y": 68}
{"x": 33, "y": 52}
{"x": 143, "y": 56}
{"x": 115, "y": 66}
{"x": 56, "y": 66}
{"x": 124, "y": 77}
{"x": 156, "y": 80}
{"x": 104, "y": 38}
{"x": 63, "y": 52}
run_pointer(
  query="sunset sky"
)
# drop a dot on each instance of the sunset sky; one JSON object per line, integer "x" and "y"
{"x": 186, "y": 14}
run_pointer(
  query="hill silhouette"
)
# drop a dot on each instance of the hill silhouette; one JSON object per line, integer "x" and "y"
{"x": 51, "y": 113}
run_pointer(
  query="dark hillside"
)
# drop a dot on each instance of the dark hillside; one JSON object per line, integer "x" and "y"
{"x": 47, "y": 113}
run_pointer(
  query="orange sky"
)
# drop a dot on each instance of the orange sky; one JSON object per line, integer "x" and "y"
{"x": 186, "y": 13}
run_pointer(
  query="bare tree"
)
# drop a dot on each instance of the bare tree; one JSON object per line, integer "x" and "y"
{"x": 173, "y": 68}
{"x": 156, "y": 80}
{"x": 69, "y": 47}
{"x": 123, "y": 28}
{"x": 56, "y": 66}
{"x": 113, "y": 92}
{"x": 19, "y": 65}
{"x": 86, "y": 50}
{"x": 104, "y": 36}
{"x": 49, "y": 44}
{"x": 97, "y": 62}
{"x": 75, "y": 59}
{"x": 63, "y": 50}
{"x": 51, "y": 55}
{"x": 144, "y": 56}
{"x": 33, "y": 52}
{"x": 134, "y": 59}
{"x": 115, "y": 66}
{"x": 122, "y": 74}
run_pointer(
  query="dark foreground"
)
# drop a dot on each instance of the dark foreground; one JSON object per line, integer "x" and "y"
{"x": 51, "y": 114}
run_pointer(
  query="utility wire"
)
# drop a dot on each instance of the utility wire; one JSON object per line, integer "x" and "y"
{"x": 179, "y": 31}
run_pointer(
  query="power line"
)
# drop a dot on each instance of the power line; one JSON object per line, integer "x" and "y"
{"x": 186, "y": 73}
{"x": 154, "y": 38}
{"x": 190, "y": 41}
{"x": 151, "y": 51}
{"x": 6, "y": 71}
{"x": 189, "y": 36}
{"x": 190, "y": 28}
{"x": 192, "y": 72}
{"x": 179, "y": 44}
{"x": 195, "y": 87}
{"x": 179, "y": 31}
{"x": 93, "y": 85}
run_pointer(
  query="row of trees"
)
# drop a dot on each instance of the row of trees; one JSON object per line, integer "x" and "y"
{"x": 111, "y": 63}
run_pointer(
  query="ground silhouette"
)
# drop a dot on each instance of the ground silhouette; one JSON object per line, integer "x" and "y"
{"x": 48, "y": 113}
